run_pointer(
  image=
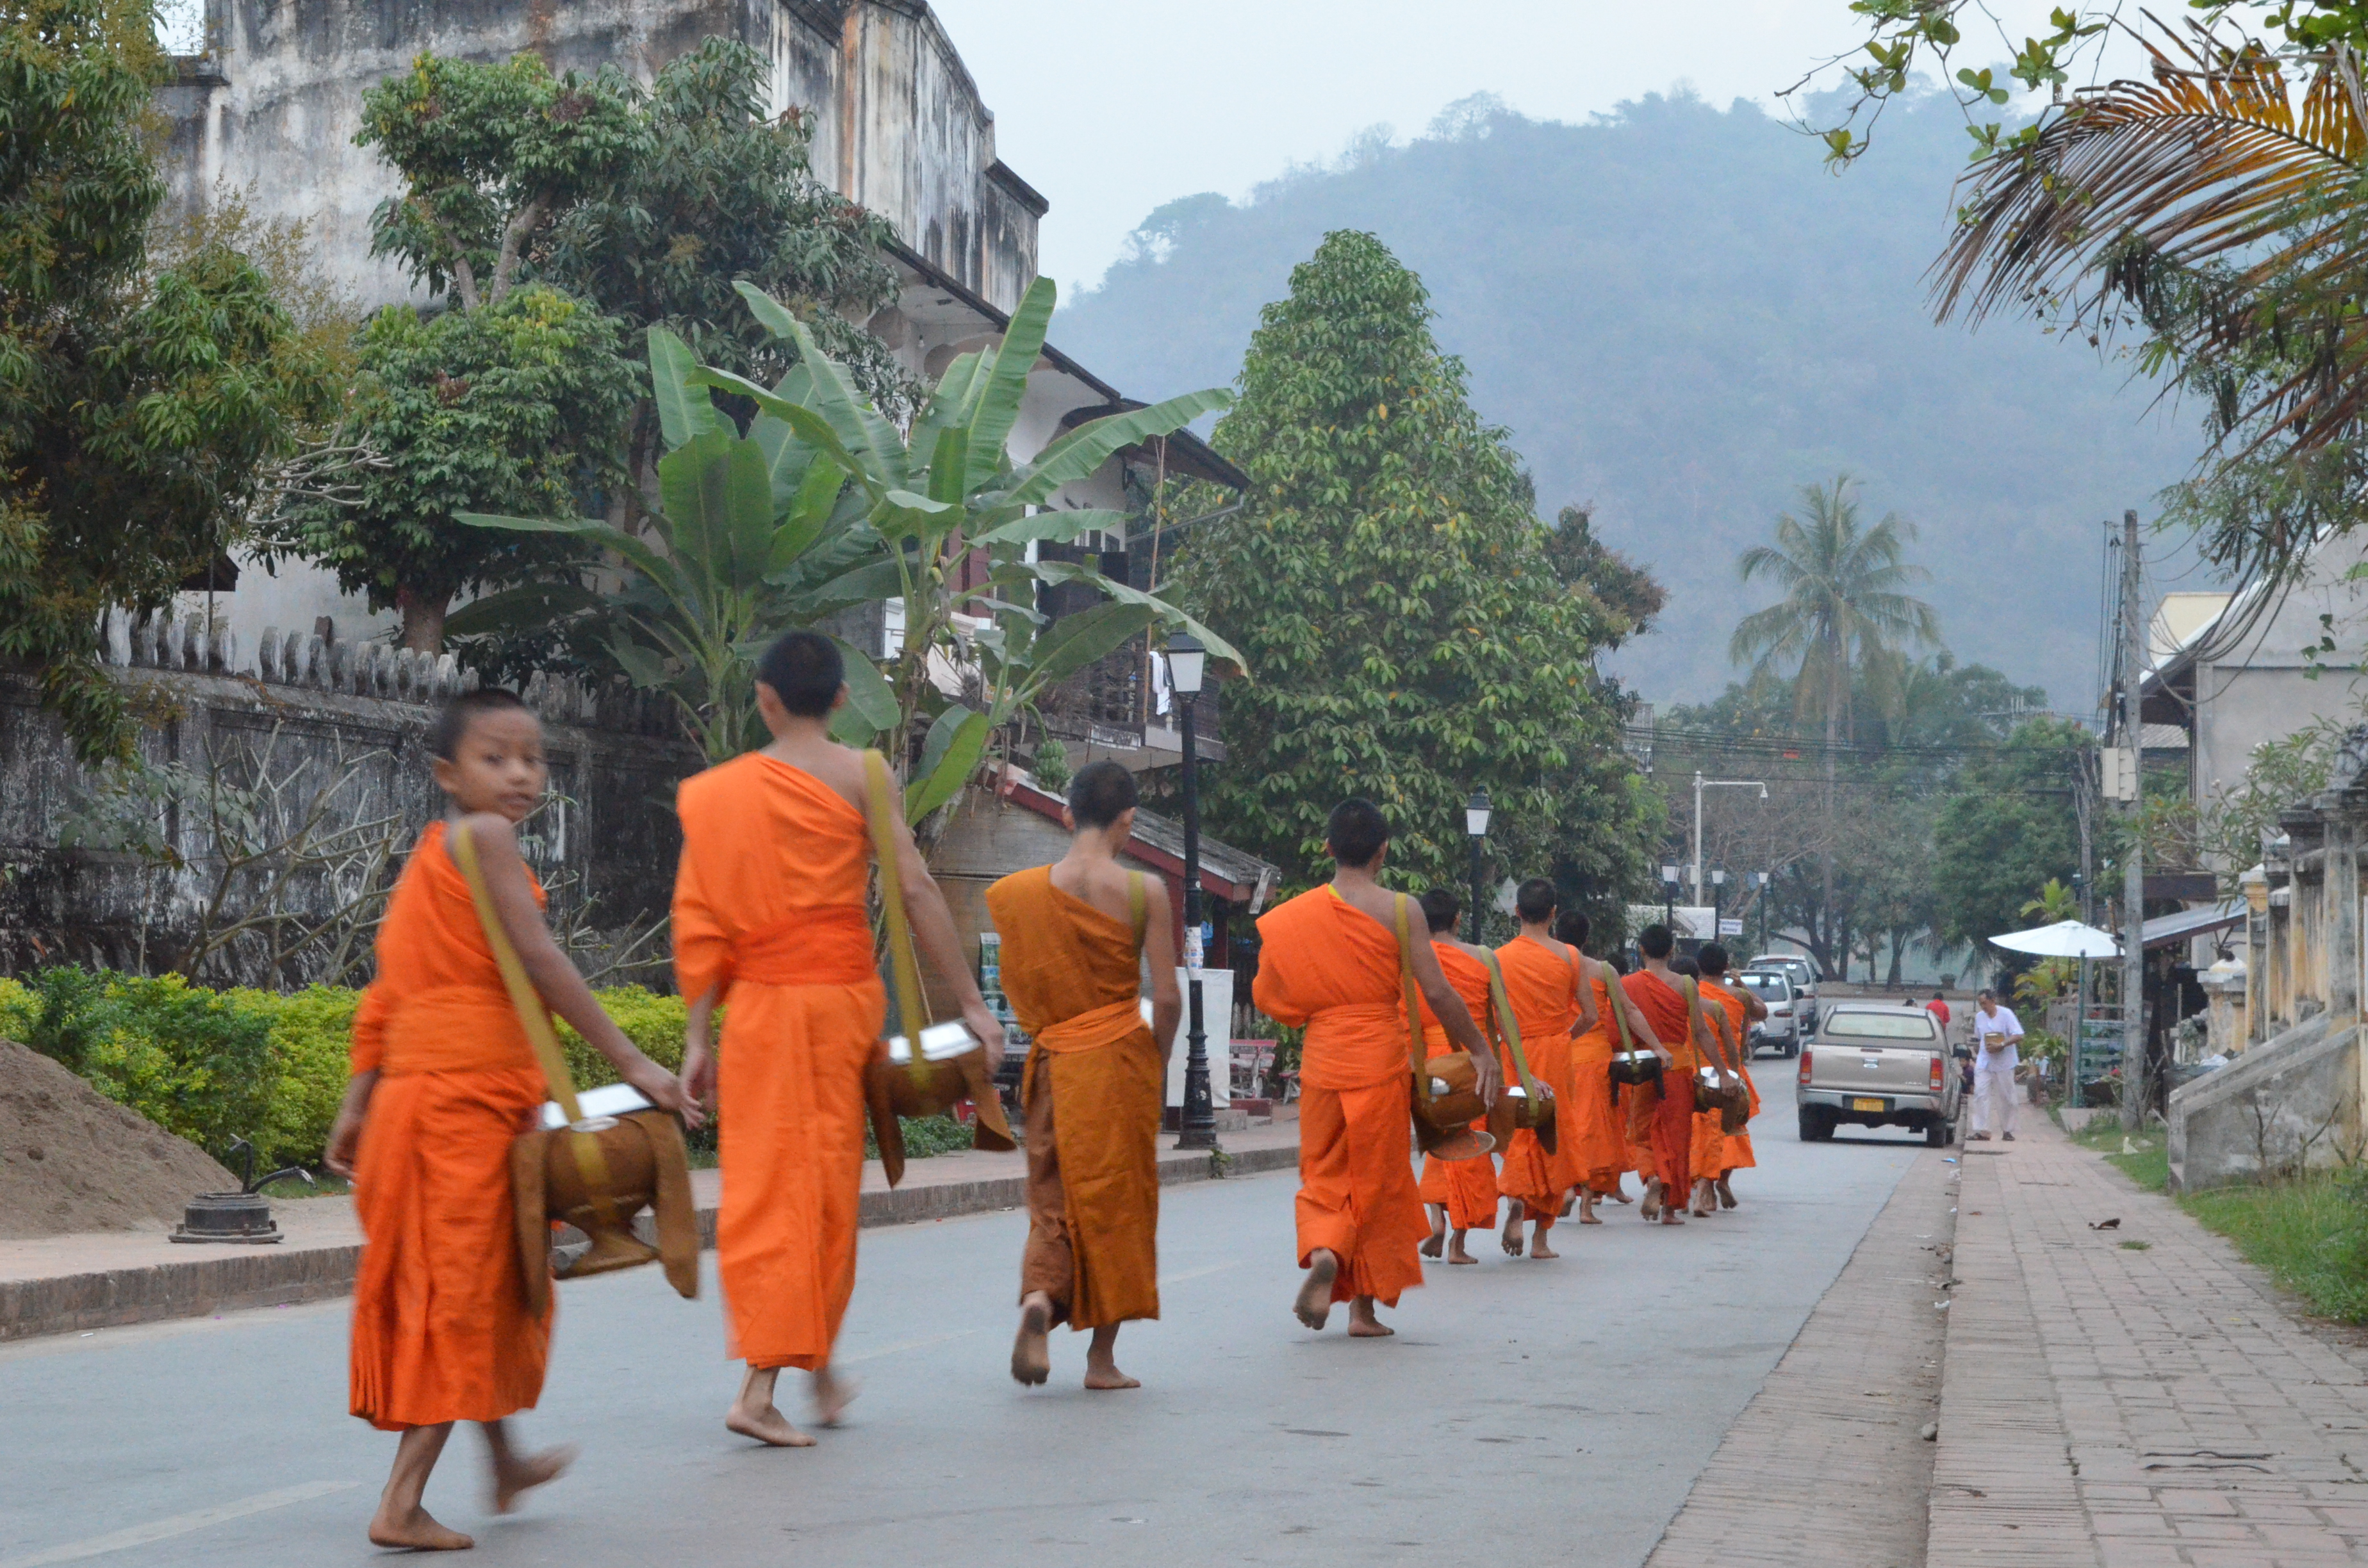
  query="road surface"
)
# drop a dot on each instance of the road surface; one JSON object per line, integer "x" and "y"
{"x": 1526, "y": 1412}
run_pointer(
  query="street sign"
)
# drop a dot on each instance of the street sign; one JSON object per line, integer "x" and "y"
{"x": 1730, "y": 928}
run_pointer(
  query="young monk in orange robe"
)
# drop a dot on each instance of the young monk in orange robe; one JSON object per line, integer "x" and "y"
{"x": 1742, "y": 1010}
{"x": 1461, "y": 1194}
{"x": 1074, "y": 936}
{"x": 1550, "y": 1004}
{"x": 1589, "y": 1126}
{"x": 443, "y": 1081}
{"x": 769, "y": 915}
{"x": 1666, "y": 1115}
{"x": 1329, "y": 960}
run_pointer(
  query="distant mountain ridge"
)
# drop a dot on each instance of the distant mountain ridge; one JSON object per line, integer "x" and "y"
{"x": 1681, "y": 318}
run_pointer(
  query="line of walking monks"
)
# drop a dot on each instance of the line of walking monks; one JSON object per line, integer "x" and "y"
{"x": 771, "y": 916}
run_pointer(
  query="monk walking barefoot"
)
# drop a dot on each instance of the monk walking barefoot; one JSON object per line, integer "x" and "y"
{"x": 1463, "y": 1191}
{"x": 1664, "y": 1114}
{"x": 1544, "y": 980}
{"x": 770, "y": 910}
{"x": 1331, "y": 959}
{"x": 1738, "y": 1008}
{"x": 1075, "y": 936}
{"x": 443, "y": 1081}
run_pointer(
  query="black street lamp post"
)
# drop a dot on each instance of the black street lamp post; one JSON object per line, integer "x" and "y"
{"x": 1187, "y": 660}
{"x": 1476, "y": 823}
{"x": 1669, "y": 898}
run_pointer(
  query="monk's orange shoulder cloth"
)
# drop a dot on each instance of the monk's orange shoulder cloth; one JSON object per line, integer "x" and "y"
{"x": 1335, "y": 968}
{"x": 441, "y": 1329}
{"x": 1468, "y": 978}
{"x": 1595, "y": 1047}
{"x": 1738, "y": 1016}
{"x": 1664, "y": 1007}
{"x": 1094, "y": 1084}
{"x": 1544, "y": 988}
{"x": 769, "y": 912}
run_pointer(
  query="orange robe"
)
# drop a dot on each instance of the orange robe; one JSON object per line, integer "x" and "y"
{"x": 769, "y": 912}
{"x": 1543, "y": 989}
{"x": 441, "y": 1329}
{"x": 1074, "y": 976}
{"x": 1735, "y": 1148}
{"x": 1594, "y": 1137}
{"x": 1468, "y": 1188}
{"x": 1335, "y": 968}
{"x": 1667, "y": 1117}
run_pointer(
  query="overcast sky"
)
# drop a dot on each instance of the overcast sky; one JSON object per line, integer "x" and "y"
{"x": 1112, "y": 107}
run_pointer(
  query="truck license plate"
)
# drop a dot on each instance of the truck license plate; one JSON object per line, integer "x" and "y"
{"x": 1866, "y": 1105}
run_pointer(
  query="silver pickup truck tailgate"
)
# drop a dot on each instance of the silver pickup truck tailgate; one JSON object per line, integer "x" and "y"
{"x": 1858, "y": 1069}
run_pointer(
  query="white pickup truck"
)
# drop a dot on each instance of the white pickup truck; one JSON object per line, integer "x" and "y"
{"x": 1877, "y": 1065}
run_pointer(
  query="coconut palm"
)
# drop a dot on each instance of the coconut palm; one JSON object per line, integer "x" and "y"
{"x": 1843, "y": 608}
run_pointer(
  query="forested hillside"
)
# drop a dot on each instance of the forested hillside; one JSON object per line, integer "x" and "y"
{"x": 1681, "y": 317}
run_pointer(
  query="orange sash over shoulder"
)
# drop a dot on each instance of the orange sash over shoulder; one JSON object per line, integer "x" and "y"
{"x": 768, "y": 909}
{"x": 1664, "y": 1007}
{"x": 1334, "y": 969}
{"x": 441, "y": 1330}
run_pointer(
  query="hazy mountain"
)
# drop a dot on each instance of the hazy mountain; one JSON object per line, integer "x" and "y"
{"x": 1681, "y": 318}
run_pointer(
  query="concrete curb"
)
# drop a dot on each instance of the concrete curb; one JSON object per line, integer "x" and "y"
{"x": 271, "y": 1276}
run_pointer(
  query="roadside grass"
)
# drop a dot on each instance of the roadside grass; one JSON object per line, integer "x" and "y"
{"x": 2310, "y": 1233}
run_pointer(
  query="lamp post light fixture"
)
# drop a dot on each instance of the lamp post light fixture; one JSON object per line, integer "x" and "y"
{"x": 1765, "y": 878}
{"x": 1475, "y": 824}
{"x": 1669, "y": 898}
{"x": 1197, "y": 1126}
{"x": 1717, "y": 905}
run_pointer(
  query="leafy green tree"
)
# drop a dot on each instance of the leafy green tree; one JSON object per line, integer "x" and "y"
{"x": 715, "y": 195}
{"x": 1388, "y": 581}
{"x": 141, "y": 407}
{"x": 1624, "y": 589}
{"x": 2005, "y": 830}
{"x": 515, "y": 405}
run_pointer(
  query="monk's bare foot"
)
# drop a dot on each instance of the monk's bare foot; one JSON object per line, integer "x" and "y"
{"x": 1620, "y": 1195}
{"x": 1031, "y": 1358}
{"x": 832, "y": 1395}
{"x": 1314, "y": 1304}
{"x": 415, "y": 1529}
{"x": 1651, "y": 1209}
{"x": 1705, "y": 1199}
{"x": 1726, "y": 1194}
{"x": 1568, "y": 1199}
{"x": 519, "y": 1474}
{"x": 1457, "y": 1252}
{"x": 1362, "y": 1322}
{"x": 1538, "y": 1248}
{"x": 1433, "y": 1243}
{"x": 1587, "y": 1214}
{"x": 1109, "y": 1378}
{"x": 1511, "y": 1238}
{"x": 1669, "y": 1216}
{"x": 767, "y": 1425}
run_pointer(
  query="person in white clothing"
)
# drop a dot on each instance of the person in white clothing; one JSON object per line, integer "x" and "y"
{"x": 1995, "y": 1030}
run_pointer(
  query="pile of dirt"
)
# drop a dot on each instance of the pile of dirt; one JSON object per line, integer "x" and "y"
{"x": 71, "y": 1159}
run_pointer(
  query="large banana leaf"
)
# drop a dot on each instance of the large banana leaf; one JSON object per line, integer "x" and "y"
{"x": 1006, "y": 383}
{"x": 719, "y": 499}
{"x": 1076, "y": 641}
{"x": 948, "y": 758}
{"x": 871, "y": 700}
{"x": 684, "y": 410}
{"x": 1056, "y": 525}
{"x": 1082, "y": 451}
{"x": 860, "y": 427}
{"x": 535, "y": 605}
{"x": 951, "y": 406}
{"x": 648, "y": 562}
{"x": 1168, "y": 615}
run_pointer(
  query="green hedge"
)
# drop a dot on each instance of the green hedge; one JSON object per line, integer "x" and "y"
{"x": 212, "y": 1065}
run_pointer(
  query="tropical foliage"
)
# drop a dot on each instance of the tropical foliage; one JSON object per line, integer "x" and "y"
{"x": 1412, "y": 636}
{"x": 142, "y": 406}
{"x": 823, "y": 503}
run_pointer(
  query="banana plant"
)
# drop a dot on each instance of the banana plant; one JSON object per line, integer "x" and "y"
{"x": 948, "y": 486}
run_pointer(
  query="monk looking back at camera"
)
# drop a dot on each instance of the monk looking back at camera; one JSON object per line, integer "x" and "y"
{"x": 443, "y": 1083}
{"x": 769, "y": 915}
{"x": 1330, "y": 961}
{"x": 1550, "y": 1004}
{"x": 1461, "y": 1194}
{"x": 1074, "y": 936}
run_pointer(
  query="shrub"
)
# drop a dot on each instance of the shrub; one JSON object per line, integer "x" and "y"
{"x": 16, "y": 1011}
{"x": 651, "y": 1021}
{"x": 924, "y": 1136}
{"x": 311, "y": 1033}
{"x": 197, "y": 1063}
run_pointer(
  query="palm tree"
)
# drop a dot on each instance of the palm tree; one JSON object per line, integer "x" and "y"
{"x": 1842, "y": 610}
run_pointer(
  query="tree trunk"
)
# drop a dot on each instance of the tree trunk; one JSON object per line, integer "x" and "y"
{"x": 423, "y": 620}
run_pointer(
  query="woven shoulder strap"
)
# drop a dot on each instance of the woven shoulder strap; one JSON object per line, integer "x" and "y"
{"x": 1610, "y": 978}
{"x": 1138, "y": 905}
{"x": 524, "y": 997}
{"x": 911, "y": 1006}
{"x": 1413, "y": 999}
{"x": 1508, "y": 1026}
{"x": 1692, "y": 989}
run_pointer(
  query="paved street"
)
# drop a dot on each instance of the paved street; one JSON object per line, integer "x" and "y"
{"x": 1556, "y": 1412}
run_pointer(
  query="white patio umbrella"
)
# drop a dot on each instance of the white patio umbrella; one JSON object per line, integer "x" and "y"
{"x": 2065, "y": 939}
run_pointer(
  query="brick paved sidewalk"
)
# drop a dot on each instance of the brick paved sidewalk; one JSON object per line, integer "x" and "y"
{"x": 2132, "y": 1398}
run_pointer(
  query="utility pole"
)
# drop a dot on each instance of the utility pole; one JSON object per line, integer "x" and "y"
{"x": 2135, "y": 1067}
